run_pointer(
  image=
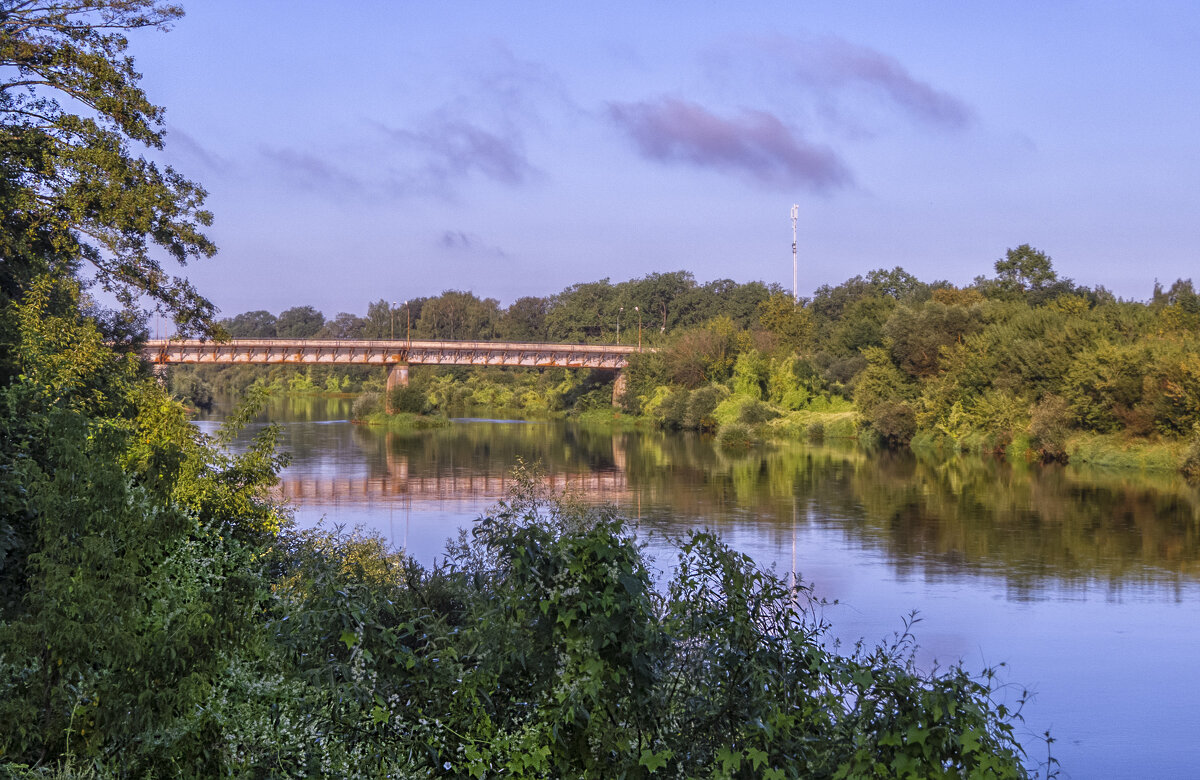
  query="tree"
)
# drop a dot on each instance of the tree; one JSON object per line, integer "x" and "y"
{"x": 583, "y": 311}
{"x": 252, "y": 325}
{"x": 791, "y": 324}
{"x": 1024, "y": 269}
{"x": 343, "y": 326}
{"x": 299, "y": 322}
{"x": 525, "y": 319}
{"x": 73, "y": 175}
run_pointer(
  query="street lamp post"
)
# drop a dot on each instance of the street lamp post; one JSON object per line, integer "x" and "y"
{"x": 639, "y": 311}
{"x": 619, "y": 311}
{"x": 392, "y": 314}
{"x": 408, "y": 317}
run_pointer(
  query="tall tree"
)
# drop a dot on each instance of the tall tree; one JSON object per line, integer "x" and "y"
{"x": 299, "y": 322}
{"x": 259, "y": 324}
{"x": 71, "y": 114}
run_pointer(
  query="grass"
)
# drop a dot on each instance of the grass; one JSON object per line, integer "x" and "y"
{"x": 611, "y": 419}
{"x": 406, "y": 421}
{"x": 1114, "y": 451}
{"x": 808, "y": 425}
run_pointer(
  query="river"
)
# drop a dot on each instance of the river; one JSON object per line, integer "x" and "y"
{"x": 1085, "y": 585}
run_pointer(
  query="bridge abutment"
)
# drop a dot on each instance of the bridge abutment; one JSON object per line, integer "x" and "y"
{"x": 397, "y": 377}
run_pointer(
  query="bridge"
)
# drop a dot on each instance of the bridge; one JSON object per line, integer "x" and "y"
{"x": 396, "y": 354}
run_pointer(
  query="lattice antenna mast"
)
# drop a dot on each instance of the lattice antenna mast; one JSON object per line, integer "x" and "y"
{"x": 795, "y": 290}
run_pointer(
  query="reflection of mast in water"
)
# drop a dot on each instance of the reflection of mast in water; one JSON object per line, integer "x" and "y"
{"x": 794, "y": 512}
{"x": 397, "y": 465}
{"x": 618, "y": 451}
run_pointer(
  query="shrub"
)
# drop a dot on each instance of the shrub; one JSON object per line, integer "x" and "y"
{"x": 409, "y": 400}
{"x": 735, "y": 436}
{"x": 366, "y": 405}
{"x": 1048, "y": 428}
{"x": 756, "y": 413}
{"x": 815, "y": 431}
{"x": 1190, "y": 468}
{"x": 700, "y": 406}
{"x": 894, "y": 422}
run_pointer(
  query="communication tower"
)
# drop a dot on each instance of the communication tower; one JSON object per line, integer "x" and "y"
{"x": 795, "y": 291}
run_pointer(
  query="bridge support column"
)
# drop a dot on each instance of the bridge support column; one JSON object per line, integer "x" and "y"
{"x": 397, "y": 377}
{"x": 619, "y": 387}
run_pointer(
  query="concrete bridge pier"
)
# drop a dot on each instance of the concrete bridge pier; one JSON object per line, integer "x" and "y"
{"x": 397, "y": 377}
{"x": 619, "y": 387}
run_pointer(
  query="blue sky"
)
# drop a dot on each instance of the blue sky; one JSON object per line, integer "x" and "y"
{"x": 393, "y": 149}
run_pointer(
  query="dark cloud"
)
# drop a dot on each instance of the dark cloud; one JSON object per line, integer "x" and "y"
{"x": 309, "y": 172}
{"x": 755, "y": 144}
{"x": 837, "y": 63}
{"x": 458, "y": 241}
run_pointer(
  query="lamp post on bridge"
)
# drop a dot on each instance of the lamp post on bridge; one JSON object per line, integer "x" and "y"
{"x": 392, "y": 312}
{"x": 619, "y": 312}
{"x": 639, "y": 311}
{"x": 408, "y": 318}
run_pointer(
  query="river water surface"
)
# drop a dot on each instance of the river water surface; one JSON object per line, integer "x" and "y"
{"x": 1085, "y": 585}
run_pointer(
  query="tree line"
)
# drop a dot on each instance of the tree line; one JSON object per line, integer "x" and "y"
{"x": 591, "y": 311}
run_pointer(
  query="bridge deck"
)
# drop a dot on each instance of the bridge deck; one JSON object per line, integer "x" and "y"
{"x": 388, "y": 353}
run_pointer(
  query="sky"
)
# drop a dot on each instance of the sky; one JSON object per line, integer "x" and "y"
{"x": 389, "y": 150}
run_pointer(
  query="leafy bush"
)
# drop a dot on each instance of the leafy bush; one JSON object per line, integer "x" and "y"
{"x": 894, "y": 422}
{"x": 756, "y": 413}
{"x": 701, "y": 404}
{"x": 366, "y": 405}
{"x": 735, "y": 436}
{"x": 408, "y": 400}
{"x": 1190, "y": 467}
{"x": 1048, "y": 429}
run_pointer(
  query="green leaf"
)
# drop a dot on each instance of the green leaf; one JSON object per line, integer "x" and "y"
{"x": 654, "y": 761}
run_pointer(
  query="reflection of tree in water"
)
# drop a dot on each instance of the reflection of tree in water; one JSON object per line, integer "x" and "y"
{"x": 1030, "y": 526}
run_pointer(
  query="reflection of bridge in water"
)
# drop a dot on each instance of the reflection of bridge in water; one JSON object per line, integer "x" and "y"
{"x": 594, "y": 486}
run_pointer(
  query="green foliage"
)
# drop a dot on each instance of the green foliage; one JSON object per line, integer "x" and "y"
{"x": 884, "y": 398}
{"x": 73, "y": 175}
{"x": 735, "y": 436}
{"x": 1048, "y": 428}
{"x": 408, "y": 399}
{"x": 129, "y": 546}
{"x": 1190, "y": 466}
{"x": 366, "y": 405}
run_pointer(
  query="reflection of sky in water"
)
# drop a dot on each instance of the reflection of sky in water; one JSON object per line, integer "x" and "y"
{"x": 1108, "y": 649}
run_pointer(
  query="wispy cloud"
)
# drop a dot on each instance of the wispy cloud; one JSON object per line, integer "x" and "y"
{"x": 308, "y": 171}
{"x": 483, "y": 132}
{"x": 832, "y": 68}
{"x": 186, "y": 145}
{"x": 755, "y": 144}
{"x": 454, "y": 147}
